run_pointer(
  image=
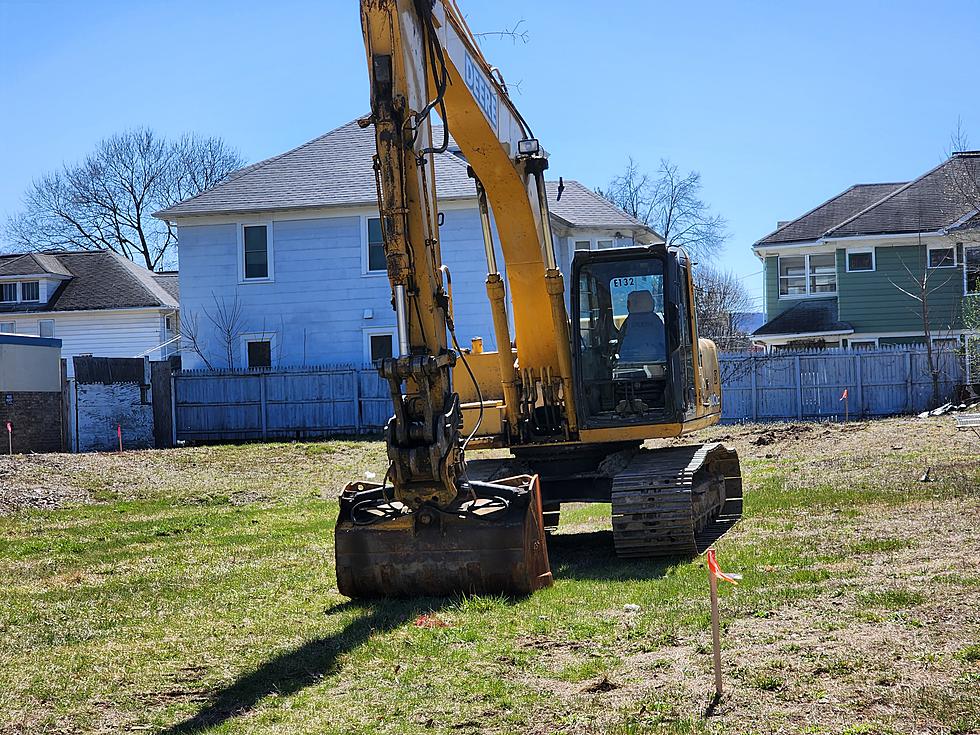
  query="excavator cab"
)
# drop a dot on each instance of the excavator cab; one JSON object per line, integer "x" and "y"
{"x": 632, "y": 337}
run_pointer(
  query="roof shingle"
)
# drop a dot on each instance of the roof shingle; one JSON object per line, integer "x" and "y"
{"x": 818, "y": 316}
{"x": 96, "y": 280}
{"x": 336, "y": 169}
{"x": 813, "y": 224}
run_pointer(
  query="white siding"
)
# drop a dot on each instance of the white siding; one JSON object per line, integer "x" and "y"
{"x": 124, "y": 333}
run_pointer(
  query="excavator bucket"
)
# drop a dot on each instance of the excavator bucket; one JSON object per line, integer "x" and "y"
{"x": 490, "y": 540}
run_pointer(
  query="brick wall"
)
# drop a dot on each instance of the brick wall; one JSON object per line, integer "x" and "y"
{"x": 36, "y": 421}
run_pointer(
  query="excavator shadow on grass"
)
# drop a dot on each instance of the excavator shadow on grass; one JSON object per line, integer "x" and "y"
{"x": 580, "y": 556}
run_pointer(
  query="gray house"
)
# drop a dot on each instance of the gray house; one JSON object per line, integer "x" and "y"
{"x": 282, "y": 264}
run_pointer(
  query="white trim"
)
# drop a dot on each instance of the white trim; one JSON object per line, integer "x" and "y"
{"x": 966, "y": 291}
{"x": 892, "y": 236}
{"x": 860, "y": 251}
{"x": 270, "y": 252}
{"x": 35, "y": 277}
{"x": 807, "y": 275}
{"x": 271, "y": 337}
{"x": 368, "y": 332}
{"x": 802, "y": 335}
{"x": 124, "y": 309}
{"x": 365, "y": 249}
{"x": 945, "y": 246}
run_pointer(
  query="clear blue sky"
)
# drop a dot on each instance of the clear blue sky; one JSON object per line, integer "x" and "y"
{"x": 779, "y": 105}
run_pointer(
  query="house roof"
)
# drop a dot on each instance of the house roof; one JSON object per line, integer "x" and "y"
{"x": 813, "y": 224}
{"x": 930, "y": 202}
{"x": 170, "y": 282}
{"x": 32, "y": 264}
{"x": 579, "y": 206}
{"x": 940, "y": 199}
{"x": 95, "y": 280}
{"x": 336, "y": 169}
{"x": 816, "y": 316}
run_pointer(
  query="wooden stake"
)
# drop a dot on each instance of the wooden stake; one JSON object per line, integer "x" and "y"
{"x": 119, "y": 432}
{"x": 715, "y": 631}
{"x": 10, "y": 439}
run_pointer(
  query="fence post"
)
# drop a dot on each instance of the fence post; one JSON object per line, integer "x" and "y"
{"x": 264, "y": 405}
{"x": 910, "y": 395}
{"x": 357, "y": 399}
{"x": 859, "y": 384}
{"x": 173, "y": 409}
{"x": 755, "y": 398}
{"x": 799, "y": 388}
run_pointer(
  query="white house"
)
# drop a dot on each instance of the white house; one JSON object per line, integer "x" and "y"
{"x": 97, "y": 303}
{"x": 282, "y": 264}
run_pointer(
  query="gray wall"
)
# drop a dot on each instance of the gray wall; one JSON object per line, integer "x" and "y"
{"x": 101, "y": 408}
{"x": 316, "y": 304}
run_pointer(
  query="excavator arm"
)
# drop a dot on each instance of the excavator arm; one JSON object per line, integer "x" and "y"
{"x": 431, "y": 529}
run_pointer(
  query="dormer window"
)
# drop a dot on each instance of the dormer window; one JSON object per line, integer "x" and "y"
{"x": 30, "y": 291}
{"x": 8, "y": 292}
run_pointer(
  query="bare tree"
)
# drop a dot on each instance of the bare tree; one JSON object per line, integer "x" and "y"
{"x": 227, "y": 325}
{"x": 106, "y": 201}
{"x": 721, "y": 303}
{"x": 670, "y": 203}
{"x": 920, "y": 284}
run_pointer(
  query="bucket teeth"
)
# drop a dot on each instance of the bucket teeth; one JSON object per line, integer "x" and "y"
{"x": 489, "y": 540}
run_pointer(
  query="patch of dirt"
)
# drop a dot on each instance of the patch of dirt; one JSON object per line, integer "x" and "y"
{"x": 30, "y": 482}
{"x": 601, "y": 686}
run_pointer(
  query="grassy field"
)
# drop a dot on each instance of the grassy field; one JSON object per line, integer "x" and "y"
{"x": 192, "y": 590}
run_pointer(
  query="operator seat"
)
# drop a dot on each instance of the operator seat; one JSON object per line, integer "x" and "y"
{"x": 642, "y": 337}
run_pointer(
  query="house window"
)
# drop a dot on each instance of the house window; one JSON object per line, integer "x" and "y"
{"x": 807, "y": 275}
{"x": 792, "y": 275}
{"x": 942, "y": 257}
{"x": 971, "y": 269}
{"x": 604, "y": 244}
{"x": 381, "y": 346}
{"x": 30, "y": 291}
{"x": 375, "y": 247}
{"x": 583, "y": 244}
{"x": 860, "y": 260}
{"x": 379, "y": 343}
{"x": 256, "y": 253}
{"x": 258, "y": 353}
{"x": 8, "y": 327}
{"x": 8, "y": 292}
{"x": 45, "y": 328}
{"x": 946, "y": 344}
{"x": 862, "y": 344}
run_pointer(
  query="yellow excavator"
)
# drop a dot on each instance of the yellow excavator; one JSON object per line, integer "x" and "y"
{"x": 573, "y": 400}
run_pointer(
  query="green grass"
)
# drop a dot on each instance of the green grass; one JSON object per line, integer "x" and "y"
{"x": 197, "y": 594}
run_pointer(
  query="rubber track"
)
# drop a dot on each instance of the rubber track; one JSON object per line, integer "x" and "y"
{"x": 675, "y": 501}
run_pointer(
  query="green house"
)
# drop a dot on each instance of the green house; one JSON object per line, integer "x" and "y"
{"x": 878, "y": 264}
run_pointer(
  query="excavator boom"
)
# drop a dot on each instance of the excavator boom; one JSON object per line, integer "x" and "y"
{"x": 431, "y": 530}
{"x": 573, "y": 400}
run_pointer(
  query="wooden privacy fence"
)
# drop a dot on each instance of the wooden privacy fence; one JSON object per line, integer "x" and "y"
{"x": 292, "y": 403}
{"x": 283, "y": 403}
{"x": 786, "y": 386}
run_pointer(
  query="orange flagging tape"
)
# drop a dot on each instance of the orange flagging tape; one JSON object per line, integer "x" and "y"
{"x": 716, "y": 570}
